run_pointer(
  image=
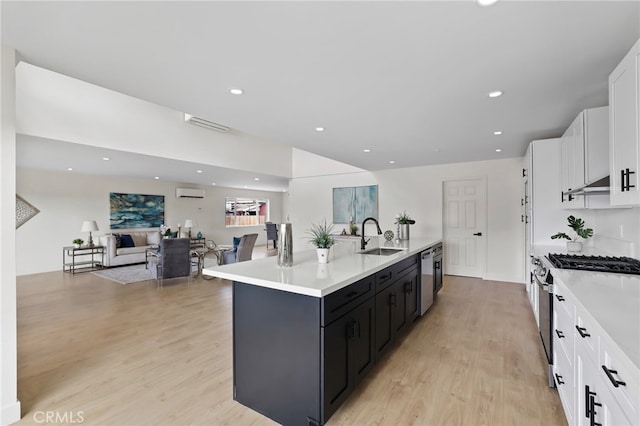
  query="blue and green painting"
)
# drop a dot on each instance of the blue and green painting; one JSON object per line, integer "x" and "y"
{"x": 354, "y": 204}
{"x": 129, "y": 211}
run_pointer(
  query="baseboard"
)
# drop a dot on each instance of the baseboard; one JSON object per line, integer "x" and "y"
{"x": 10, "y": 413}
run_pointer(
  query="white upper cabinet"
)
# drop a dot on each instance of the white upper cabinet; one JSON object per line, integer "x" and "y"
{"x": 624, "y": 97}
{"x": 585, "y": 157}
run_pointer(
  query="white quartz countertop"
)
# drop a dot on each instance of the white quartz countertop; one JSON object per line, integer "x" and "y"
{"x": 613, "y": 301}
{"x": 308, "y": 277}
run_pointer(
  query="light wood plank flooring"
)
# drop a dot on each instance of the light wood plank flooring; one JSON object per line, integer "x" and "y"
{"x": 137, "y": 355}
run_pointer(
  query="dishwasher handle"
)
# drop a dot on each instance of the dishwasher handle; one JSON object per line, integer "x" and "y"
{"x": 426, "y": 254}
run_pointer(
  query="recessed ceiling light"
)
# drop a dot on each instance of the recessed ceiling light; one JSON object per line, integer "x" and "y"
{"x": 213, "y": 183}
{"x": 498, "y": 150}
{"x": 256, "y": 179}
{"x": 198, "y": 171}
{"x": 495, "y": 94}
{"x": 106, "y": 158}
{"x": 366, "y": 150}
{"x": 69, "y": 169}
{"x": 236, "y": 91}
{"x": 245, "y": 187}
{"x": 157, "y": 177}
{"x": 392, "y": 162}
{"x": 486, "y": 2}
{"x": 319, "y": 129}
{"x": 436, "y": 150}
{"x": 497, "y": 132}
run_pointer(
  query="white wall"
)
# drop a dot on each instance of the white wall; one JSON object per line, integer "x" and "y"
{"x": 418, "y": 191}
{"x": 9, "y": 404}
{"x": 620, "y": 225}
{"x": 65, "y": 199}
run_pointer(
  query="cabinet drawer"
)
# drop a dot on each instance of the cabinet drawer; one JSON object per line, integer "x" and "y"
{"x": 562, "y": 301}
{"x": 404, "y": 266}
{"x": 564, "y": 378}
{"x": 384, "y": 278}
{"x": 615, "y": 369}
{"x": 563, "y": 333}
{"x": 587, "y": 336}
{"x": 342, "y": 301}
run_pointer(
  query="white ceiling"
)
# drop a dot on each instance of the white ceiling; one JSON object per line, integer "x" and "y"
{"x": 408, "y": 80}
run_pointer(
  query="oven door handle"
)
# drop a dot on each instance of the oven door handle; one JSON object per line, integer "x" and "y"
{"x": 547, "y": 288}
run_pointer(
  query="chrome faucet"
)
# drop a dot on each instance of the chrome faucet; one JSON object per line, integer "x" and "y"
{"x": 363, "y": 243}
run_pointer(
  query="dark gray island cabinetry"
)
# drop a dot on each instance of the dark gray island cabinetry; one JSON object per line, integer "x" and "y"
{"x": 296, "y": 358}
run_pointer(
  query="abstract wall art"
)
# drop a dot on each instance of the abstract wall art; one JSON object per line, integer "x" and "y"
{"x": 129, "y": 211}
{"x": 354, "y": 204}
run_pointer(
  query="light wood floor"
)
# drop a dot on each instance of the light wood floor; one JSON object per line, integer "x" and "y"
{"x": 134, "y": 354}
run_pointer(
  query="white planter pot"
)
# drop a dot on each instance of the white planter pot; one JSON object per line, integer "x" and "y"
{"x": 76, "y": 245}
{"x": 323, "y": 255}
{"x": 574, "y": 246}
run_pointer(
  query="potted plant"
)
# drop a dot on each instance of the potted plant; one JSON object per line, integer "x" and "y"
{"x": 353, "y": 228}
{"x": 580, "y": 231}
{"x": 77, "y": 243}
{"x": 321, "y": 238}
{"x": 403, "y": 221}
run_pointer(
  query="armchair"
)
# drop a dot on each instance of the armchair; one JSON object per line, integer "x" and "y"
{"x": 173, "y": 260}
{"x": 245, "y": 249}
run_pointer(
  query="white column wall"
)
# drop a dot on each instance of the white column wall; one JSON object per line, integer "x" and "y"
{"x": 9, "y": 404}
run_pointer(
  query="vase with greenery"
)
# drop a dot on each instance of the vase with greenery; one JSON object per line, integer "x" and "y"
{"x": 77, "y": 243}
{"x": 403, "y": 221}
{"x": 322, "y": 239}
{"x": 579, "y": 230}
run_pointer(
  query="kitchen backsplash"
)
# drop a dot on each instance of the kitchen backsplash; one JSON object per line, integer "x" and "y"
{"x": 616, "y": 230}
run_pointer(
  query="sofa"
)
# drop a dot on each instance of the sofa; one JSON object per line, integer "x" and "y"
{"x": 118, "y": 252}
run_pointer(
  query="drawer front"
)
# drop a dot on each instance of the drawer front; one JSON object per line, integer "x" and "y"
{"x": 587, "y": 336}
{"x": 402, "y": 267}
{"x": 563, "y": 332}
{"x": 563, "y": 302}
{"x": 342, "y": 301}
{"x": 563, "y": 374}
{"x": 617, "y": 370}
{"x": 384, "y": 278}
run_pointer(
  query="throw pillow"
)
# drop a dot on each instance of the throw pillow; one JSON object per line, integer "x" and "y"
{"x": 118, "y": 240}
{"x": 236, "y": 241}
{"x": 126, "y": 241}
{"x": 139, "y": 238}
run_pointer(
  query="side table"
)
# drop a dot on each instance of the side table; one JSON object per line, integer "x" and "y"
{"x": 83, "y": 259}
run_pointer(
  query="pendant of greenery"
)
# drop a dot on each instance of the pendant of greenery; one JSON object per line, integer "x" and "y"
{"x": 321, "y": 235}
{"x": 578, "y": 227}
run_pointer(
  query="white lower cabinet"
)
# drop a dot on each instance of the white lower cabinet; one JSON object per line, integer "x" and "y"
{"x": 597, "y": 384}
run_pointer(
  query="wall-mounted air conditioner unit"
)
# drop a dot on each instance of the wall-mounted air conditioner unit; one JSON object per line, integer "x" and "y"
{"x": 189, "y": 193}
{"x": 205, "y": 123}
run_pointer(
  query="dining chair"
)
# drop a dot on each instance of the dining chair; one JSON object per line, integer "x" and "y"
{"x": 244, "y": 251}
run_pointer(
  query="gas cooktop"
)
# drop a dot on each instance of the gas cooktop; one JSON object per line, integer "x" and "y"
{"x": 619, "y": 265}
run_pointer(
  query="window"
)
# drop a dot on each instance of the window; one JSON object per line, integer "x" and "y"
{"x": 246, "y": 212}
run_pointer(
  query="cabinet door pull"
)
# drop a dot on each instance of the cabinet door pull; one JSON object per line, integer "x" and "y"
{"x": 560, "y": 298}
{"x": 356, "y": 333}
{"x": 392, "y": 299}
{"x": 560, "y": 334}
{"x": 436, "y": 265}
{"x": 407, "y": 287}
{"x": 593, "y": 403}
{"x": 559, "y": 379}
{"x": 385, "y": 277}
{"x": 628, "y": 184}
{"x": 350, "y": 294}
{"x": 615, "y": 382}
{"x": 622, "y": 176}
{"x": 582, "y": 331}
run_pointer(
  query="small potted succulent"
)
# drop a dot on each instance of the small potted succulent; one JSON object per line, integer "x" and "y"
{"x": 579, "y": 230}
{"x": 321, "y": 238}
{"x": 77, "y": 243}
{"x": 403, "y": 221}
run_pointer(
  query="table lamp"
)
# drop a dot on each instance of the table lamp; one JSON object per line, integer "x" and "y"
{"x": 189, "y": 224}
{"x": 89, "y": 226}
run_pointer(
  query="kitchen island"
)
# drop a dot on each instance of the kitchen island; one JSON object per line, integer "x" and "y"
{"x": 305, "y": 336}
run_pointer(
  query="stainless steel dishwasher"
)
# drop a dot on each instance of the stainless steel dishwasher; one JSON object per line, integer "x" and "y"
{"x": 427, "y": 280}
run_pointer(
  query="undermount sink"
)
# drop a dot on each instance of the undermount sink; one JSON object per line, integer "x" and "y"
{"x": 383, "y": 251}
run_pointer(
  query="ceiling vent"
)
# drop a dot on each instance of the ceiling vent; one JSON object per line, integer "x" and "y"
{"x": 189, "y": 193}
{"x": 205, "y": 123}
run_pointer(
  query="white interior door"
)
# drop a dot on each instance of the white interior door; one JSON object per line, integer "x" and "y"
{"x": 465, "y": 211}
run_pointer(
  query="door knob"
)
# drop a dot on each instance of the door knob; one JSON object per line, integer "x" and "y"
{"x": 478, "y": 234}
